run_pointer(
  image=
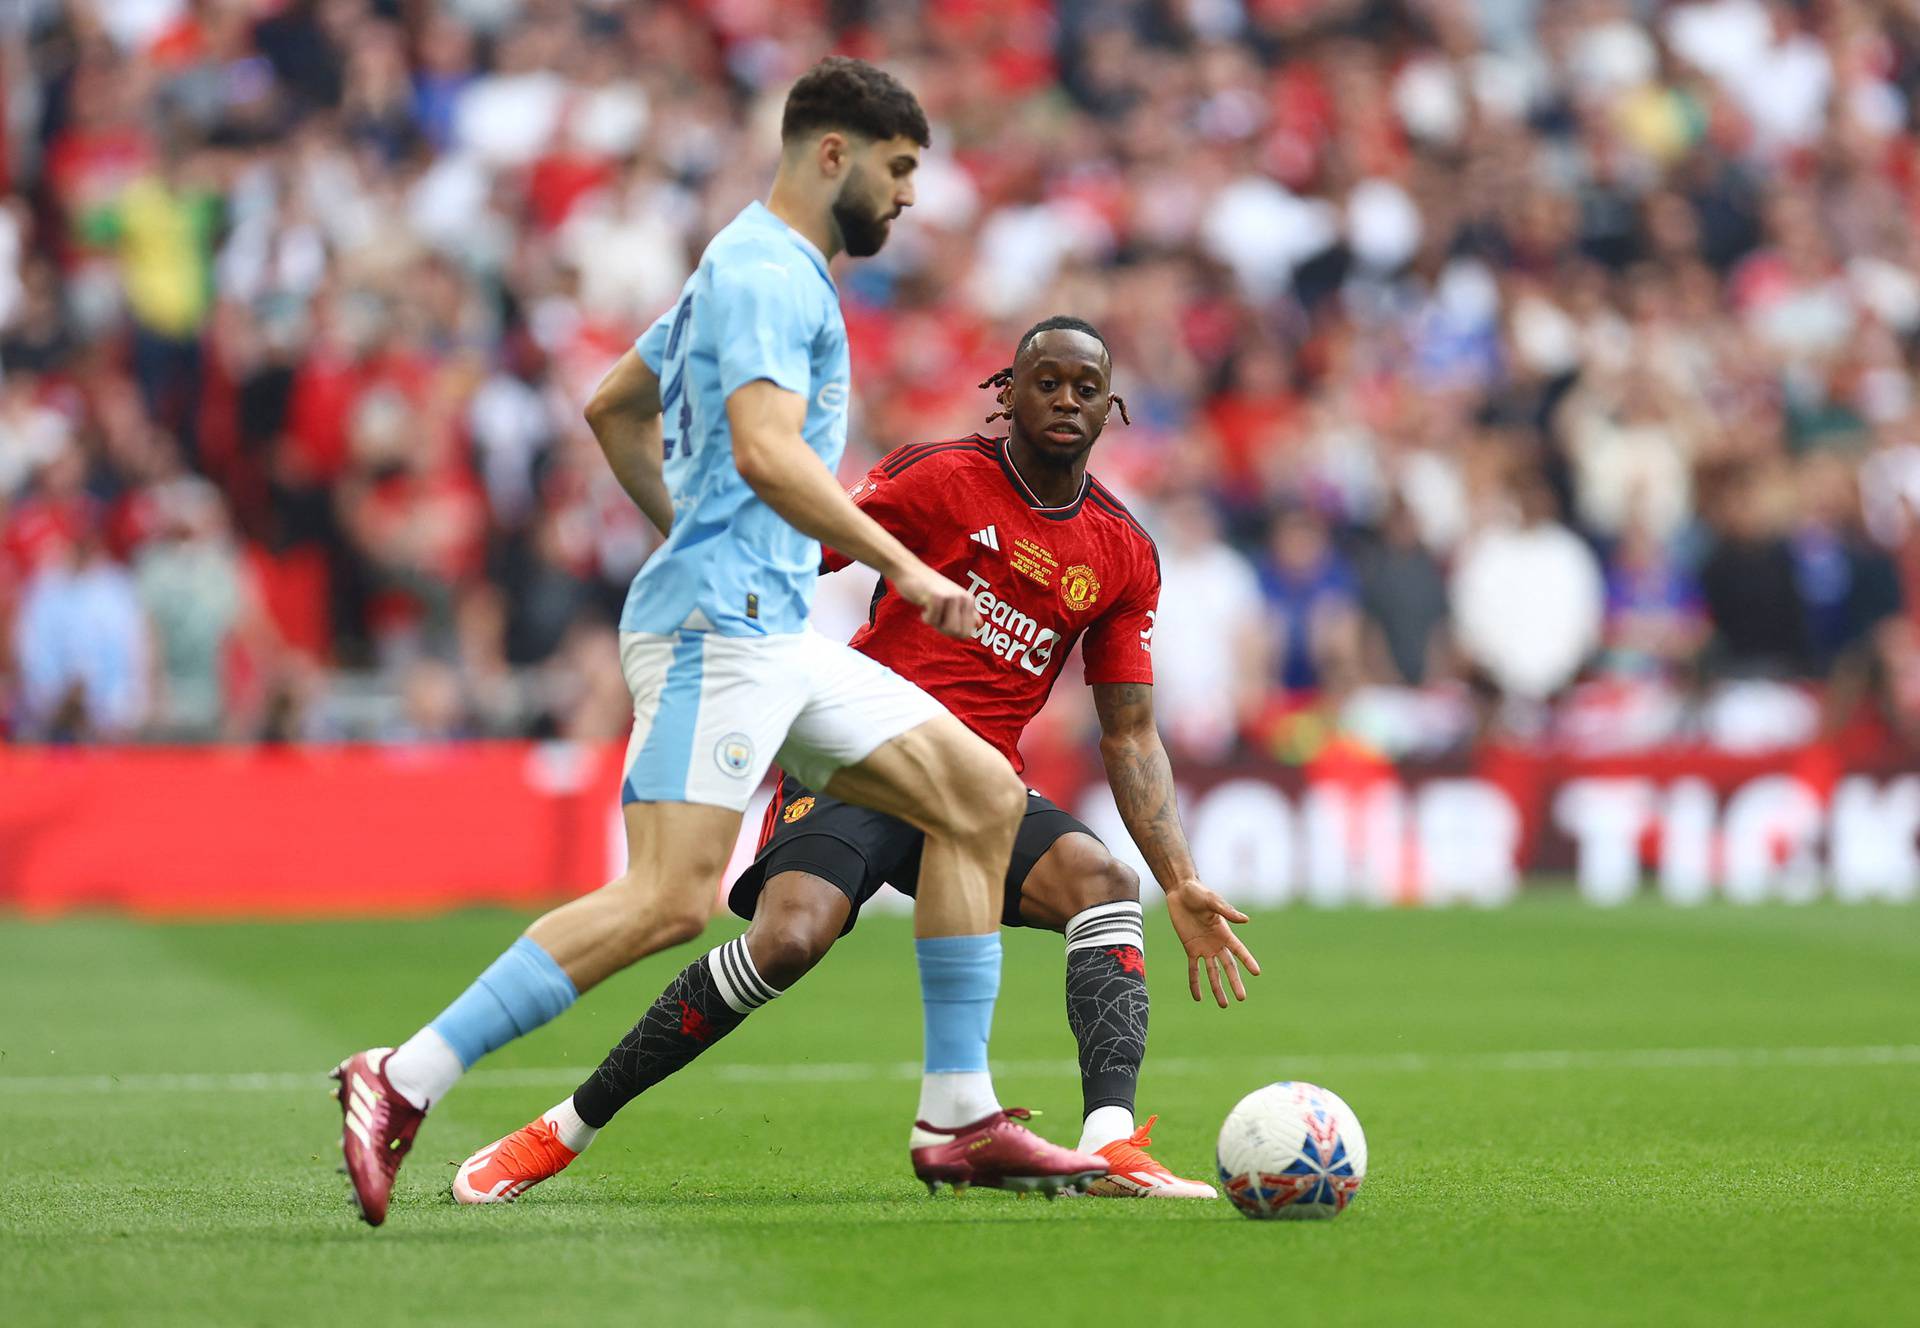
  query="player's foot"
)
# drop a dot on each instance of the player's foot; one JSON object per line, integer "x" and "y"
{"x": 999, "y": 1152}
{"x": 377, "y": 1129}
{"x": 1131, "y": 1174}
{"x": 507, "y": 1168}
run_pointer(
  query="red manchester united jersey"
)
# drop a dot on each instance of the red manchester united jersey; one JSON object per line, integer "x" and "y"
{"x": 1042, "y": 578}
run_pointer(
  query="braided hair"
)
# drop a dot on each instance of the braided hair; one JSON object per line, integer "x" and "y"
{"x": 1002, "y": 381}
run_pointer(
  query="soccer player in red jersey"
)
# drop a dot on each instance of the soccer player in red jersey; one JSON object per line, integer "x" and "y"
{"x": 1052, "y": 557}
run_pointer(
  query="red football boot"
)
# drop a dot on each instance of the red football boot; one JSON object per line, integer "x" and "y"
{"x": 999, "y": 1152}
{"x": 377, "y": 1129}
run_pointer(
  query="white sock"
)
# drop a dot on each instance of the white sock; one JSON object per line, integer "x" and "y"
{"x": 567, "y": 1125}
{"x": 1105, "y": 1125}
{"x": 952, "y": 1098}
{"x": 424, "y": 1068}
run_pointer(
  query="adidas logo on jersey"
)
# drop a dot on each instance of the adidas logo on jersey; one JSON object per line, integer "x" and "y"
{"x": 989, "y": 537}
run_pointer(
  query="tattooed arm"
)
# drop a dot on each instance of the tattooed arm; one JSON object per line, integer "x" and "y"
{"x": 1142, "y": 781}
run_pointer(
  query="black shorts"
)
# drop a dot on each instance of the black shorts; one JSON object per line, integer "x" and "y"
{"x": 858, "y": 851}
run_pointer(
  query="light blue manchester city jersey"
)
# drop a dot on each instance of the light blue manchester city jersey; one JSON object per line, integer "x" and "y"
{"x": 760, "y": 305}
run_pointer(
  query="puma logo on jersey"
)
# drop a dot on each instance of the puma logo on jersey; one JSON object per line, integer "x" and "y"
{"x": 989, "y": 537}
{"x": 1008, "y": 633}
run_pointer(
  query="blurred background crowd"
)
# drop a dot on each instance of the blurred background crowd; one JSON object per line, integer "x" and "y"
{"x": 1533, "y": 367}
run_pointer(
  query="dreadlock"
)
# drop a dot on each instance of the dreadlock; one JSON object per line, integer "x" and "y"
{"x": 1002, "y": 381}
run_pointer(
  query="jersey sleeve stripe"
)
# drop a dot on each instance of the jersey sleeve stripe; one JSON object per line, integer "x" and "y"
{"x": 893, "y": 470}
{"x": 900, "y": 454}
{"x": 913, "y": 451}
{"x": 1104, "y": 500}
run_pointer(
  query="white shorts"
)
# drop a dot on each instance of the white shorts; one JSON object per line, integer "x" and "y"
{"x": 711, "y": 712}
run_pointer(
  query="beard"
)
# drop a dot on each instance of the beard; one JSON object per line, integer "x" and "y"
{"x": 862, "y": 230}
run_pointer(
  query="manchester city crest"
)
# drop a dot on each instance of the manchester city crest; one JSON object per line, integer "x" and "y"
{"x": 734, "y": 754}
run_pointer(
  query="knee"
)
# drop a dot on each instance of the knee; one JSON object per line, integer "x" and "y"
{"x": 679, "y": 924}
{"x": 1110, "y": 882}
{"x": 993, "y": 802}
{"x": 1086, "y": 879}
{"x": 783, "y": 950}
{"x": 653, "y": 919}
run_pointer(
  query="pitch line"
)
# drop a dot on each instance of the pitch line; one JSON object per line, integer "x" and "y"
{"x": 852, "y": 1072}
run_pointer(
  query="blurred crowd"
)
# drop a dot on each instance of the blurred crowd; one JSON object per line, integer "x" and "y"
{"x": 1524, "y": 366}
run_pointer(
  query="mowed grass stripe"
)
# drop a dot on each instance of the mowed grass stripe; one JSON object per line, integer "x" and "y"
{"x": 850, "y": 1072}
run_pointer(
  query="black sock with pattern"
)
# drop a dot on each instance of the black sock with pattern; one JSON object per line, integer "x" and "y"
{"x": 1107, "y": 1001}
{"x": 710, "y": 998}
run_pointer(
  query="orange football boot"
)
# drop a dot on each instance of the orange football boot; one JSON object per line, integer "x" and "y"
{"x": 1132, "y": 1174}
{"x": 507, "y": 1168}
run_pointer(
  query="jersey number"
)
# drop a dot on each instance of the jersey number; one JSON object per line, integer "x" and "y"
{"x": 674, "y": 389}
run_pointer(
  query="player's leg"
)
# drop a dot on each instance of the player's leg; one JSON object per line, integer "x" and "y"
{"x": 1067, "y": 881}
{"x": 662, "y": 899}
{"x": 942, "y": 779}
{"x": 683, "y": 794}
{"x": 682, "y": 817}
{"x": 798, "y": 920}
{"x": 819, "y": 861}
{"x": 1076, "y": 887}
{"x": 869, "y": 737}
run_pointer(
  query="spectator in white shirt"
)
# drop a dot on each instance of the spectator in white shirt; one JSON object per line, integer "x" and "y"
{"x": 1528, "y": 599}
{"x": 1209, "y": 644}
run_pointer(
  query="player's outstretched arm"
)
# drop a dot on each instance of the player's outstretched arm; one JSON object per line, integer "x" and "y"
{"x": 775, "y": 461}
{"x": 624, "y": 414}
{"x": 1141, "y": 777}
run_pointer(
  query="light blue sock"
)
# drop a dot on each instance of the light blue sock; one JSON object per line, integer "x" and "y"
{"x": 520, "y": 991}
{"x": 959, "y": 980}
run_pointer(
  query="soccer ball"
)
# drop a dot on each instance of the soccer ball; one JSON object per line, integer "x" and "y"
{"x": 1292, "y": 1150}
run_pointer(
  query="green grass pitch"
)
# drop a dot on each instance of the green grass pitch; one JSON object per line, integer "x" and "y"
{"x": 1642, "y": 1116}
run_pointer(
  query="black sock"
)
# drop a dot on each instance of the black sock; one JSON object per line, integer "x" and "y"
{"x": 708, "y": 1000}
{"x": 1107, "y": 1001}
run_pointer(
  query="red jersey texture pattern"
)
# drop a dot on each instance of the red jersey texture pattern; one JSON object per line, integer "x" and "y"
{"x": 1042, "y": 577}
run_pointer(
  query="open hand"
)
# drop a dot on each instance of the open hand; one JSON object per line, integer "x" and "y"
{"x": 1200, "y": 919}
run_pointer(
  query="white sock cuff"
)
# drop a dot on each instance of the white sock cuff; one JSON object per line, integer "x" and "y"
{"x": 740, "y": 983}
{"x": 424, "y": 1069}
{"x": 1120, "y": 923}
{"x": 565, "y": 1119}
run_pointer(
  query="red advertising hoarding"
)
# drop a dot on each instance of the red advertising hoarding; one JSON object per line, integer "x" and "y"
{"x": 220, "y": 832}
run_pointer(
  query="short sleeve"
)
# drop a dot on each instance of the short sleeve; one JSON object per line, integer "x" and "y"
{"x": 1119, "y": 645}
{"x": 762, "y": 321}
{"x": 652, "y": 345}
{"x": 886, "y": 500}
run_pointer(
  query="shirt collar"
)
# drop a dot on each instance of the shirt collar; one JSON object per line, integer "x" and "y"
{"x": 766, "y": 216}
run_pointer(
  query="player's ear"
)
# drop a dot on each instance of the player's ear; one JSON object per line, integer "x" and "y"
{"x": 833, "y": 152}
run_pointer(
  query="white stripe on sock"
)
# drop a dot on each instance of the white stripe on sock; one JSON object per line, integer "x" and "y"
{"x": 1119, "y": 923}
{"x": 739, "y": 982}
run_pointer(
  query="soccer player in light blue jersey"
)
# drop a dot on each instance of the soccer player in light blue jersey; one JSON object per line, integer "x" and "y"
{"x": 724, "y": 424}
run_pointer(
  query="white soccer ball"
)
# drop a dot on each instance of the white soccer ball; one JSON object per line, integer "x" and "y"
{"x": 1292, "y": 1150}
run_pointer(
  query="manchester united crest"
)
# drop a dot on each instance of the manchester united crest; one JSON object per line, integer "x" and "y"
{"x": 1079, "y": 587}
{"x": 796, "y": 809}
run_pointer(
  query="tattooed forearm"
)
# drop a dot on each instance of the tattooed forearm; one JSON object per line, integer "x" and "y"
{"x": 1142, "y": 779}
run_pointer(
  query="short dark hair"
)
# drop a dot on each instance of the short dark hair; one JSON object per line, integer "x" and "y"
{"x": 1061, "y": 323}
{"x": 847, "y": 94}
